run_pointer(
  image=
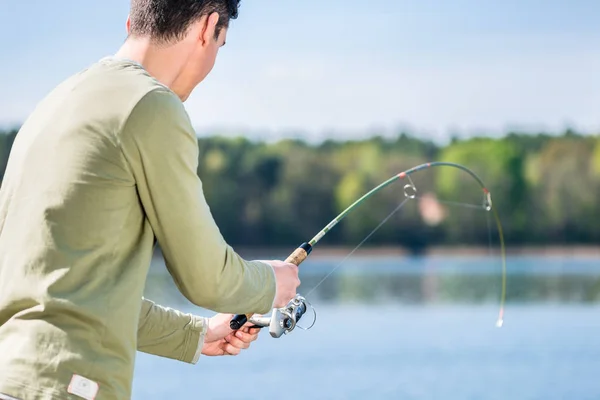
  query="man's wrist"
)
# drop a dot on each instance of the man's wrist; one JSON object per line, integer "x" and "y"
{"x": 204, "y": 322}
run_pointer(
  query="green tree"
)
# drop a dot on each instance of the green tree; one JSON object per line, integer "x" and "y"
{"x": 564, "y": 202}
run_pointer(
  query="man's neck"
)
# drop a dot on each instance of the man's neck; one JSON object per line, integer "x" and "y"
{"x": 152, "y": 59}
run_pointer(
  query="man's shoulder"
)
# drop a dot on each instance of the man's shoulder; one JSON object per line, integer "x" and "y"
{"x": 158, "y": 114}
{"x": 154, "y": 114}
{"x": 123, "y": 79}
{"x": 129, "y": 91}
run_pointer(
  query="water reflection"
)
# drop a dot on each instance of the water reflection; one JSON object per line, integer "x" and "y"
{"x": 423, "y": 280}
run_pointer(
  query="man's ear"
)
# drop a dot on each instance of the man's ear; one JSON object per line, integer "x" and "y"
{"x": 128, "y": 24}
{"x": 209, "y": 27}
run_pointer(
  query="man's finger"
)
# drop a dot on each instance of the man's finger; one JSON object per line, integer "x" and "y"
{"x": 250, "y": 330}
{"x": 241, "y": 344}
{"x": 254, "y": 331}
{"x": 228, "y": 348}
{"x": 246, "y": 337}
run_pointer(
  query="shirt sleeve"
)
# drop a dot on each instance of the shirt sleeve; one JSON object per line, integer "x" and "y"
{"x": 162, "y": 149}
{"x": 169, "y": 333}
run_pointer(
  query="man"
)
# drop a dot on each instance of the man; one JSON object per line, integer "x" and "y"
{"x": 104, "y": 167}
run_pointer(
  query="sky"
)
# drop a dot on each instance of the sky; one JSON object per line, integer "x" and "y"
{"x": 344, "y": 69}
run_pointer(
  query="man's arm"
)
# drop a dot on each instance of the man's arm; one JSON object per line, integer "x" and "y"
{"x": 169, "y": 333}
{"x": 161, "y": 147}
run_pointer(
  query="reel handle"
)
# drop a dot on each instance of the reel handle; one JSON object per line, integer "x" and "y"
{"x": 296, "y": 258}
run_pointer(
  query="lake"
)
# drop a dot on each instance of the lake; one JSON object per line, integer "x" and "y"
{"x": 410, "y": 328}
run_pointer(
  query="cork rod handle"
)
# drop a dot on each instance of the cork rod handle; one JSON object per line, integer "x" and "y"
{"x": 296, "y": 258}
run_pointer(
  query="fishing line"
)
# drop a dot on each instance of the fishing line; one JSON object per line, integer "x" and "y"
{"x": 410, "y": 192}
{"x": 487, "y": 220}
{"x": 500, "y": 320}
{"x": 458, "y": 204}
{"x": 386, "y": 219}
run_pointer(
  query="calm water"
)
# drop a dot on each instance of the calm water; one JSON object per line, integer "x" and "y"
{"x": 411, "y": 328}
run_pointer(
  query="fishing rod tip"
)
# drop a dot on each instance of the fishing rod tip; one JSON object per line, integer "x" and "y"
{"x": 500, "y": 320}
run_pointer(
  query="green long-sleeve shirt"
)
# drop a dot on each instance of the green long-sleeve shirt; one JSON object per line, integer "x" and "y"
{"x": 104, "y": 166}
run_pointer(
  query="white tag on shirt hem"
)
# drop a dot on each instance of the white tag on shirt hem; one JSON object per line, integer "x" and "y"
{"x": 83, "y": 387}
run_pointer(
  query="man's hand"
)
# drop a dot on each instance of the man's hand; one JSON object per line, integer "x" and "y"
{"x": 286, "y": 275}
{"x": 220, "y": 340}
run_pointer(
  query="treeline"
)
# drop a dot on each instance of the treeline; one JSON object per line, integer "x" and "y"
{"x": 546, "y": 189}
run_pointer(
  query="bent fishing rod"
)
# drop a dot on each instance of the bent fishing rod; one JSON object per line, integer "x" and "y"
{"x": 284, "y": 320}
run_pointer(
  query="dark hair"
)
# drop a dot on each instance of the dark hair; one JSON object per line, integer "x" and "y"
{"x": 166, "y": 21}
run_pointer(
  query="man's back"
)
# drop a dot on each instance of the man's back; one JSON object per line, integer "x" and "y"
{"x": 104, "y": 167}
{"x": 75, "y": 243}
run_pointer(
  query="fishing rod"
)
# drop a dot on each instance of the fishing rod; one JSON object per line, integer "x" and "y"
{"x": 284, "y": 320}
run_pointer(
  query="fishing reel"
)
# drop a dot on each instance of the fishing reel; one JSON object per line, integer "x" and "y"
{"x": 284, "y": 320}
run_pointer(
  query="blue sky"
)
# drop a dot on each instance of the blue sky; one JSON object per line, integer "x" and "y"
{"x": 345, "y": 68}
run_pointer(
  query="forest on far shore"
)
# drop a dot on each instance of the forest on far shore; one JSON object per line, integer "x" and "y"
{"x": 545, "y": 187}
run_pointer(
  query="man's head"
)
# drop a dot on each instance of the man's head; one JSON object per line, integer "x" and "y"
{"x": 193, "y": 29}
